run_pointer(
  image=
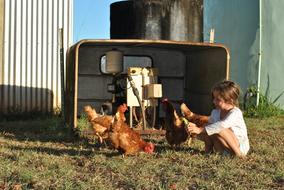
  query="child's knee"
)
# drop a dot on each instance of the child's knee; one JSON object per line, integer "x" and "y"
{"x": 226, "y": 131}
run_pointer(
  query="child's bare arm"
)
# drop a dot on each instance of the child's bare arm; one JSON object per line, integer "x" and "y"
{"x": 193, "y": 129}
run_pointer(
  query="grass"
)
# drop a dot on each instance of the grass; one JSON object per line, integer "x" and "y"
{"x": 266, "y": 107}
{"x": 42, "y": 154}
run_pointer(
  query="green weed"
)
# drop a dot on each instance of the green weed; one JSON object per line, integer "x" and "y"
{"x": 82, "y": 123}
{"x": 266, "y": 107}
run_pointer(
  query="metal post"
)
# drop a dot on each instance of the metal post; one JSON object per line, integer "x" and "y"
{"x": 61, "y": 47}
{"x": 130, "y": 116}
{"x": 259, "y": 53}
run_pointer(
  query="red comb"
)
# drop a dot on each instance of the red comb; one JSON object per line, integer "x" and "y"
{"x": 165, "y": 100}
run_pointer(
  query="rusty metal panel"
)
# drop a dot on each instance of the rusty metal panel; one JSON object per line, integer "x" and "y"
{"x": 30, "y": 79}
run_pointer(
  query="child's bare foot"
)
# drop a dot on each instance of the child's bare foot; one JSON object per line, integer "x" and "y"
{"x": 241, "y": 156}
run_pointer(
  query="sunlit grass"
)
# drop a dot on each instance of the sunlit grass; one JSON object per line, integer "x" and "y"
{"x": 43, "y": 154}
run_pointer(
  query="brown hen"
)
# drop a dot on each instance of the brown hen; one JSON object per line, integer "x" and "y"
{"x": 100, "y": 124}
{"x": 198, "y": 120}
{"x": 126, "y": 140}
{"x": 176, "y": 132}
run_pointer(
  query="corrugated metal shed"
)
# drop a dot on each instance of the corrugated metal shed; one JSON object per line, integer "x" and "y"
{"x": 30, "y": 75}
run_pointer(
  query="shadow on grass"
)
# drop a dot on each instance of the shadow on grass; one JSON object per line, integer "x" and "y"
{"x": 90, "y": 150}
{"x": 53, "y": 151}
{"x": 165, "y": 148}
{"x": 162, "y": 146}
{"x": 43, "y": 130}
{"x": 53, "y": 130}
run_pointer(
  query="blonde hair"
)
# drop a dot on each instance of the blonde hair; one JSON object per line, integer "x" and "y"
{"x": 228, "y": 91}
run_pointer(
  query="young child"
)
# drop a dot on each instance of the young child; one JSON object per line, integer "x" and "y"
{"x": 226, "y": 130}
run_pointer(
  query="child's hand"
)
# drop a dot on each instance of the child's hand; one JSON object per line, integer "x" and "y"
{"x": 193, "y": 129}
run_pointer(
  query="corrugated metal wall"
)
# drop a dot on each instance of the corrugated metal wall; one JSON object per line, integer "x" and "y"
{"x": 31, "y": 64}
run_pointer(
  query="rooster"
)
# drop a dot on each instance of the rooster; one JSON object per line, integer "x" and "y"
{"x": 198, "y": 120}
{"x": 125, "y": 139}
{"x": 176, "y": 132}
{"x": 100, "y": 124}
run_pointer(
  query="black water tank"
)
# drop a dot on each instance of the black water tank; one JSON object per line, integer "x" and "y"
{"x": 122, "y": 22}
{"x": 180, "y": 20}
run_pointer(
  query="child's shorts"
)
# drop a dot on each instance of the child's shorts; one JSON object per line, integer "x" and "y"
{"x": 244, "y": 146}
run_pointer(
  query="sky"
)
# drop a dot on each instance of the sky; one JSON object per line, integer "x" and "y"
{"x": 91, "y": 19}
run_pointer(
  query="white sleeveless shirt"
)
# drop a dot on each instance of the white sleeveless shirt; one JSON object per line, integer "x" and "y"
{"x": 234, "y": 120}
